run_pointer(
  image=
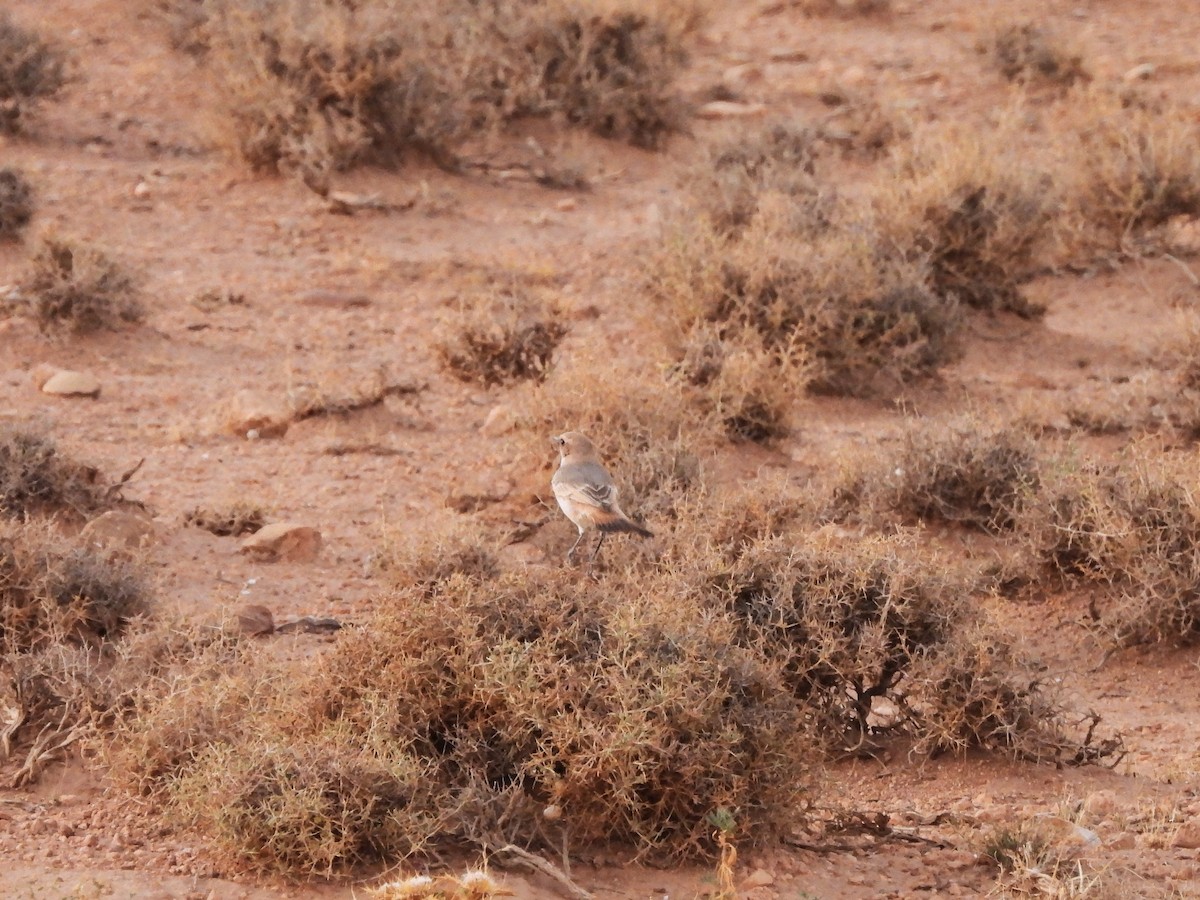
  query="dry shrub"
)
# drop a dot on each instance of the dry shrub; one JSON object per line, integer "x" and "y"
{"x": 1132, "y": 167}
{"x": 1135, "y": 527}
{"x": 610, "y": 71}
{"x": 862, "y": 321}
{"x": 315, "y": 85}
{"x": 30, "y": 69}
{"x": 776, "y": 261}
{"x": 55, "y": 592}
{"x": 35, "y": 479}
{"x": 963, "y": 474}
{"x": 1029, "y": 54}
{"x": 971, "y": 208}
{"x": 16, "y": 204}
{"x": 743, "y": 171}
{"x": 746, "y": 388}
{"x": 485, "y": 707}
{"x": 240, "y": 517}
{"x": 78, "y": 288}
{"x": 504, "y": 339}
{"x": 978, "y": 690}
{"x": 63, "y": 611}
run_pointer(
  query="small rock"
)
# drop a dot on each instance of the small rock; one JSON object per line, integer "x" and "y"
{"x": 787, "y": 55}
{"x": 283, "y": 541}
{"x": 742, "y": 74}
{"x": 1100, "y": 804}
{"x": 567, "y": 204}
{"x": 1187, "y": 837}
{"x": 66, "y": 383}
{"x": 249, "y": 411}
{"x": 1139, "y": 73}
{"x": 1123, "y": 841}
{"x": 759, "y": 878}
{"x": 853, "y": 76}
{"x": 500, "y": 420}
{"x": 141, "y": 190}
{"x": 327, "y": 299}
{"x": 255, "y": 619}
{"x": 728, "y": 109}
{"x": 117, "y": 528}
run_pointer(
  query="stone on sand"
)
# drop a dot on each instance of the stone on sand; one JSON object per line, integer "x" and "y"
{"x": 283, "y": 542}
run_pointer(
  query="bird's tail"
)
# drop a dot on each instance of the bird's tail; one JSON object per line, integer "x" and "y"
{"x": 625, "y": 525}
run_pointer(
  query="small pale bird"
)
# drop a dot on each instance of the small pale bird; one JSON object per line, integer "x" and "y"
{"x": 586, "y": 493}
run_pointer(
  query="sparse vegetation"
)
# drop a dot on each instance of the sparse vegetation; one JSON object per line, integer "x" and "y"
{"x": 1028, "y": 53}
{"x": 481, "y": 699}
{"x": 966, "y": 475}
{"x": 36, "y": 479}
{"x": 1133, "y": 527}
{"x": 16, "y": 204}
{"x": 319, "y": 89}
{"x": 505, "y": 339}
{"x": 1133, "y": 169}
{"x": 30, "y": 69}
{"x": 79, "y": 289}
{"x": 972, "y": 211}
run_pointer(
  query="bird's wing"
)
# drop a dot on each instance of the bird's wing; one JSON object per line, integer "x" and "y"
{"x": 586, "y": 483}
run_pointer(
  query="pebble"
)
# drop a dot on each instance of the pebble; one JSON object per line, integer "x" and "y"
{"x": 1187, "y": 837}
{"x": 66, "y": 383}
{"x": 1139, "y": 72}
{"x": 283, "y": 542}
{"x": 759, "y": 878}
{"x": 728, "y": 109}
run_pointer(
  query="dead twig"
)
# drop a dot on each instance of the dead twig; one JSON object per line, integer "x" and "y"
{"x": 546, "y": 867}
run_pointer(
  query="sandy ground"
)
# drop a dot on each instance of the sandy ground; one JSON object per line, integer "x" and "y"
{"x": 329, "y": 300}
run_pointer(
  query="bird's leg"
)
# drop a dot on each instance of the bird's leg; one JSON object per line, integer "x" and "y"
{"x": 596, "y": 552}
{"x": 571, "y": 552}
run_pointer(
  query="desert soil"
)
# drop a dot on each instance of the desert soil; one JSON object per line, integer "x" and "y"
{"x": 125, "y": 159}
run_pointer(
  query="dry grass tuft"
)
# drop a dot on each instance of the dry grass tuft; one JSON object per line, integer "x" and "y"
{"x": 35, "y": 479}
{"x": 16, "y": 204}
{"x": 30, "y": 69}
{"x": 79, "y": 289}
{"x": 1029, "y": 54}
{"x": 506, "y": 339}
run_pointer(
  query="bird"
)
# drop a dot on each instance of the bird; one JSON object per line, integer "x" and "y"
{"x": 587, "y": 494}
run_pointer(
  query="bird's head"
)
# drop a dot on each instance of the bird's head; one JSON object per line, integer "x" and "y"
{"x": 573, "y": 444}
